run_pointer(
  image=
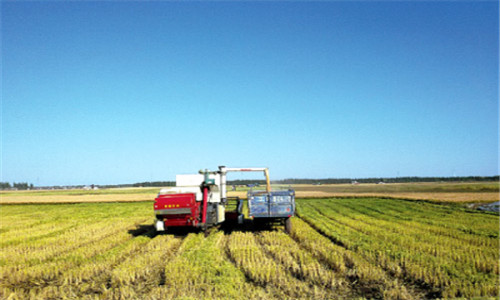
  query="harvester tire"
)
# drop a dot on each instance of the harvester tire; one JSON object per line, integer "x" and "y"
{"x": 288, "y": 225}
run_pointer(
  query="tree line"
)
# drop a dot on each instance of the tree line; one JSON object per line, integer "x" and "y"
{"x": 387, "y": 180}
{"x": 141, "y": 184}
{"x": 338, "y": 180}
{"x": 16, "y": 185}
{"x": 25, "y": 185}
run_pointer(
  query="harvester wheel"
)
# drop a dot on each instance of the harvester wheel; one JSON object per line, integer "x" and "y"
{"x": 288, "y": 225}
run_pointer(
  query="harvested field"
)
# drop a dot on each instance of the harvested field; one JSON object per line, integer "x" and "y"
{"x": 83, "y": 198}
{"x": 79, "y": 196}
{"x": 447, "y": 192}
{"x": 482, "y": 192}
{"x": 338, "y": 248}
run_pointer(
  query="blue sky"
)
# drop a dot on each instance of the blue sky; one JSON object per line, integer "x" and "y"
{"x": 107, "y": 92}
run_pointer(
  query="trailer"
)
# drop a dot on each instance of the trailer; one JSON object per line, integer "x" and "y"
{"x": 274, "y": 207}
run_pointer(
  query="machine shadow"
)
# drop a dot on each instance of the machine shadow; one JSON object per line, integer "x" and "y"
{"x": 247, "y": 226}
{"x": 143, "y": 230}
{"x": 150, "y": 231}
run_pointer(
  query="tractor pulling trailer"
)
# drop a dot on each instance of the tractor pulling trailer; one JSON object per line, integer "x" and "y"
{"x": 200, "y": 200}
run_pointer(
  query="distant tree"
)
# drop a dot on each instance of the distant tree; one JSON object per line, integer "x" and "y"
{"x": 154, "y": 184}
{"x": 21, "y": 185}
{"x": 5, "y": 185}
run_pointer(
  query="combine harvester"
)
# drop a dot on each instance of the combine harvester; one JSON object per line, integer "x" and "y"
{"x": 200, "y": 200}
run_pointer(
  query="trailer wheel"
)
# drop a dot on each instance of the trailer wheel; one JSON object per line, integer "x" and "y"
{"x": 288, "y": 225}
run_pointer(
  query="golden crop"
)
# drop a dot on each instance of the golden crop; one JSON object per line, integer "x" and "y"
{"x": 338, "y": 249}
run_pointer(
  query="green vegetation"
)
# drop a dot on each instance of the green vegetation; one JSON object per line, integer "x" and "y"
{"x": 338, "y": 248}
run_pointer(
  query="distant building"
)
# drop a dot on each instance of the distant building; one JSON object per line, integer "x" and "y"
{"x": 90, "y": 187}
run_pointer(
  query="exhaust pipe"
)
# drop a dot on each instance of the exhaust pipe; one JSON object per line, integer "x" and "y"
{"x": 204, "y": 212}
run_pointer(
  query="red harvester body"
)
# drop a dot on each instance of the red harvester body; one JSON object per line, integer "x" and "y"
{"x": 178, "y": 209}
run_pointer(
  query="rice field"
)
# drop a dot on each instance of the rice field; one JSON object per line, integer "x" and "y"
{"x": 338, "y": 249}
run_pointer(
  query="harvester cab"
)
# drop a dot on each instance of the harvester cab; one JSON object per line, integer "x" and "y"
{"x": 200, "y": 200}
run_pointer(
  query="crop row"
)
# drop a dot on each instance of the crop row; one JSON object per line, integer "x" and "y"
{"x": 363, "y": 277}
{"x": 451, "y": 265}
